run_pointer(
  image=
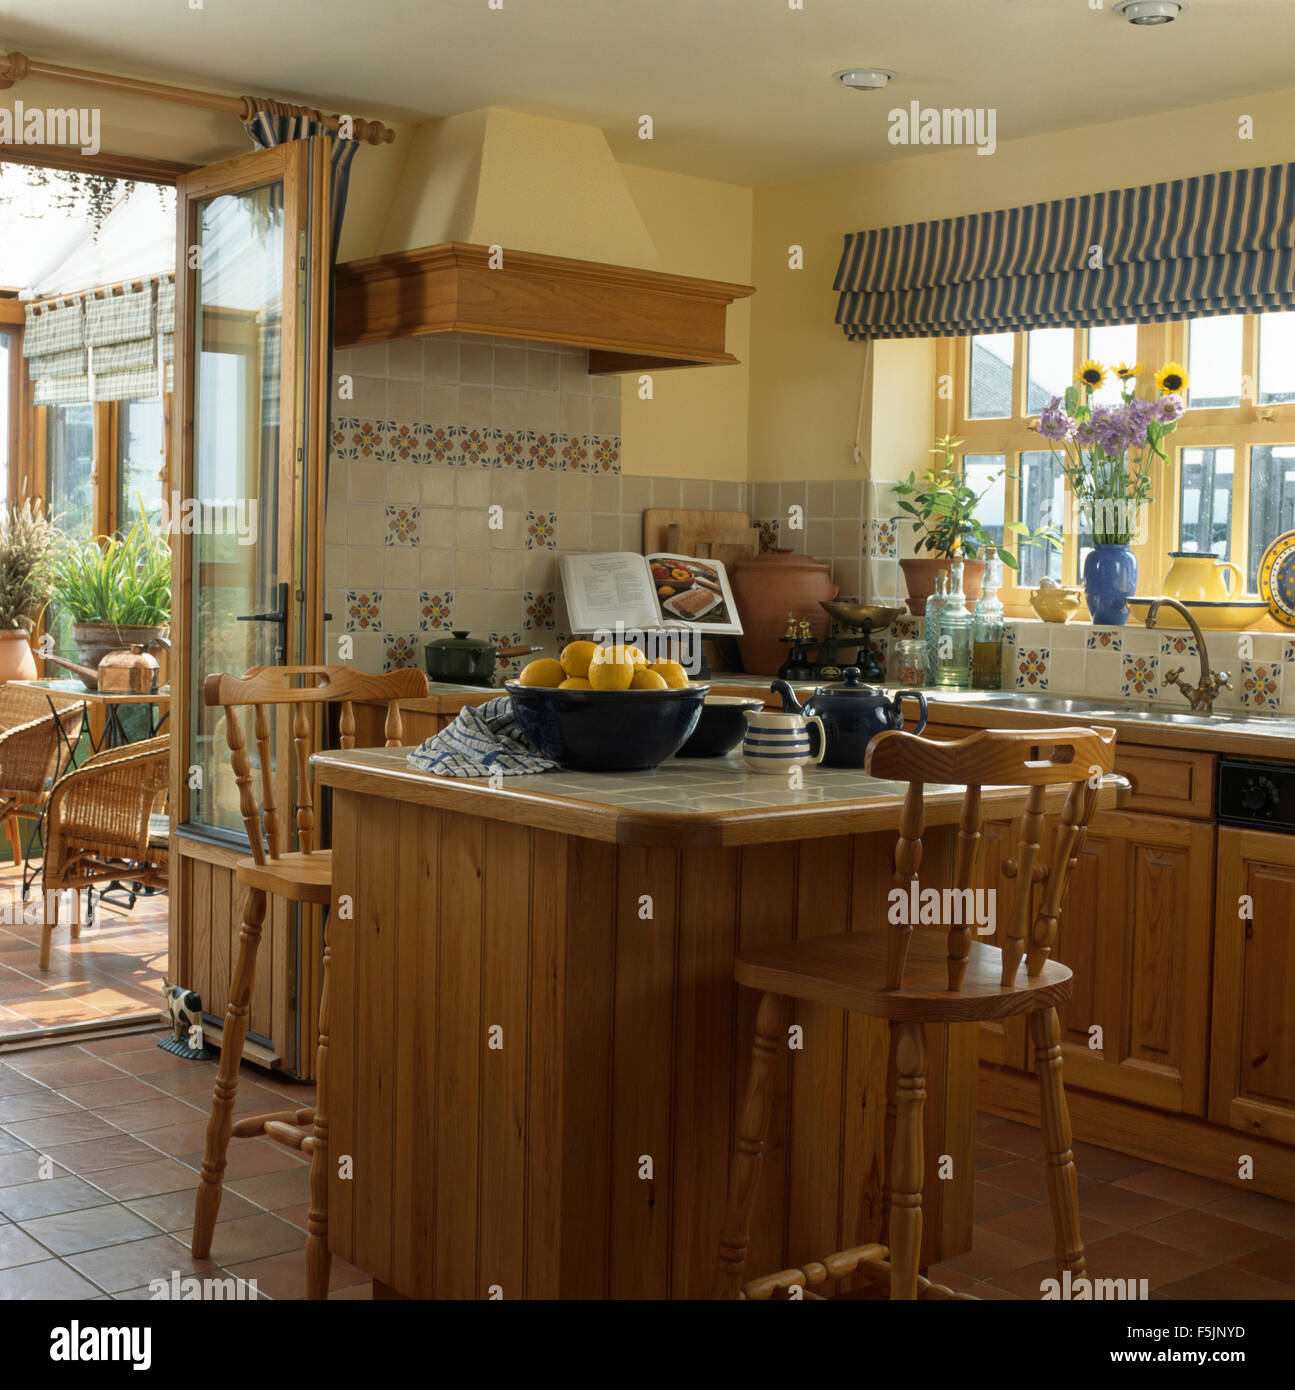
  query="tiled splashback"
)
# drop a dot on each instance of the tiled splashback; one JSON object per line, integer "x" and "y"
{"x": 1130, "y": 663}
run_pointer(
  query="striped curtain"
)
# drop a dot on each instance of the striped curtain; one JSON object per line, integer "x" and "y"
{"x": 268, "y": 129}
{"x": 1194, "y": 248}
{"x": 54, "y": 345}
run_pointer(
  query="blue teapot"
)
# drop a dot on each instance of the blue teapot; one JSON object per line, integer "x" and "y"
{"x": 852, "y": 714}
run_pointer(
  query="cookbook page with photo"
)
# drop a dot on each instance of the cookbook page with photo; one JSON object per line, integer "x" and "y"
{"x": 694, "y": 593}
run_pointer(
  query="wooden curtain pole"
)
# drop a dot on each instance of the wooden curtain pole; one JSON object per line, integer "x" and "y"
{"x": 15, "y": 66}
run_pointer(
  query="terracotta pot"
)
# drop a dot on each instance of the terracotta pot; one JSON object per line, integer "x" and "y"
{"x": 920, "y": 575}
{"x": 95, "y": 640}
{"x": 16, "y": 660}
{"x": 766, "y": 589}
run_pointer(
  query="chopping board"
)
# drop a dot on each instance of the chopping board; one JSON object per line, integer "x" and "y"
{"x": 726, "y": 536}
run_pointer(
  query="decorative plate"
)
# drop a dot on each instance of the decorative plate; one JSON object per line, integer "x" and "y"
{"x": 1277, "y": 579}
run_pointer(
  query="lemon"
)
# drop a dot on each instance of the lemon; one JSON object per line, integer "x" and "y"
{"x": 636, "y": 656}
{"x": 545, "y": 671}
{"x": 575, "y": 658}
{"x": 671, "y": 672}
{"x": 611, "y": 669}
{"x": 575, "y": 683}
{"x": 647, "y": 680}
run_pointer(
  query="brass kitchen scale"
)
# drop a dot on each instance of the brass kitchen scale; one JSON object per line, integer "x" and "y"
{"x": 812, "y": 658}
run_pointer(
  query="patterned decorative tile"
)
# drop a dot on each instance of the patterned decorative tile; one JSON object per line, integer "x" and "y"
{"x": 476, "y": 445}
{"x": 544, "y": 451}
{"x": 399, "y": 652}
{"x": 541, "y": 531}
{"x": 883, "y": 539}
{"x": 907, "y": 626}
{"x": 1178, "y": 646}
{"x": 1288, "y": 649}
{"x": 1260, "y": 684}
{"x": 1031, "y": 666}
{"x": 1009, "y": 633}
{"x": 405, "y": 442}
{"x": 1103, "y": 639}
{"x": 605, "y": 453}
{"x": 441, "y": 445}
{"x": 512, "y": 449}
{"x": 340, "y": 444}
{"x": 539, "y": 611}
{"x": 435, "y": 611}
{"x": 402, "y": 525}
{"x": 575, "y": 455}
{"x": 363, "y": 611}
{"x": 1139, "y": 676}
{"x": 768, "y": 537}
{"x": 509, "y": 670}
{"x": 369, "y": 438}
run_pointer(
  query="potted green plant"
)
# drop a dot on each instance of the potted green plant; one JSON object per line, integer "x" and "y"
{"x": 27, "y": 539}
{"x": 115, "y": 590}
{"x": 944, "y": 507}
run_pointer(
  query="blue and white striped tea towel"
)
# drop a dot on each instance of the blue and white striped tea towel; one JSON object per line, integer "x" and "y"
{"x": 482, "y": 739}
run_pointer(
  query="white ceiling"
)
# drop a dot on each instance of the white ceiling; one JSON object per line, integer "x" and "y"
{"x": 739, "y": 90}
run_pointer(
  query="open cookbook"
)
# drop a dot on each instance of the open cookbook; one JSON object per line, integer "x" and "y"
{"x": 647, "y": 592}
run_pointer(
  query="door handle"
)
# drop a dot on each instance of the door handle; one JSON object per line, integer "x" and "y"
{"x": 280, "y": 616}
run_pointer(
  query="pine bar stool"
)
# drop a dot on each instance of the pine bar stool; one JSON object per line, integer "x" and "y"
{"x": 302, "y": 876}
{"x": 912, "y": 978}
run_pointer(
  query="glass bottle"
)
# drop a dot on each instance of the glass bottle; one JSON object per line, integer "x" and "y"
{"x": 953, "y": 645}
{"x": 987, "y": 631}
{"x": 931, "y": 628}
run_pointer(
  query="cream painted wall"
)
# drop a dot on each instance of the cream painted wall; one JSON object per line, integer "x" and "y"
{"x": 805, "y": 377}
{"x": 695, "y": 425}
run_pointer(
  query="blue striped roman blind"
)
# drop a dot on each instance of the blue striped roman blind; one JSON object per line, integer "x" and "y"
{"x": 1212, "y": 244}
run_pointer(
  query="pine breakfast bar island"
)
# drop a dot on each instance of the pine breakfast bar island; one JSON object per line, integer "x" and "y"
{"x": 535, "y": 1043}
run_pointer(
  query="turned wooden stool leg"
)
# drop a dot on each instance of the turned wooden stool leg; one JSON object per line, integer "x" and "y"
{"x": 75, "y": 928}
{"x": 206, "y": 1206}
{"x": 318, "y": 1259}
{"x": 49, "y": 920}
{"x": 15, "y": 840}
{"x": 905, "y": 1162}
{"x": 1063, "y": 1181}
{"x": 748, "y": 1149}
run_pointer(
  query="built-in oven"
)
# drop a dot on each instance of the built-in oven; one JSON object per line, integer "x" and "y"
{"x": 1257, "y": 794}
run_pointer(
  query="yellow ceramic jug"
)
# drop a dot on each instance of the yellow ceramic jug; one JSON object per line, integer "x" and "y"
{"x": 1199, "y": 578}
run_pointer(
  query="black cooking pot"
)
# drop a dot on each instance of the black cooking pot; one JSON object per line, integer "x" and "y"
{"x": 467, "y": 660}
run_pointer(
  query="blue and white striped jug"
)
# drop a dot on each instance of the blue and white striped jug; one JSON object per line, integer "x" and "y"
{"x": 775, "y": 742}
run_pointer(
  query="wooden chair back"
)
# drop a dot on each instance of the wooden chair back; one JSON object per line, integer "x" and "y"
{"x": 1079, "y": 758}
{"x": 303, "y": 688}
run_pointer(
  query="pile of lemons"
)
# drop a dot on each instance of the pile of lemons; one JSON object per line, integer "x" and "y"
{"x": 587, "y": 666}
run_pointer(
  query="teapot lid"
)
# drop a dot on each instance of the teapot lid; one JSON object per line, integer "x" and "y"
{"x": 850, "y": 686}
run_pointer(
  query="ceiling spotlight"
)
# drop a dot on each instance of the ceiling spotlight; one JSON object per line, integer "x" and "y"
{"x": 1151, "y": 11}
{"x": 866, "y": 79}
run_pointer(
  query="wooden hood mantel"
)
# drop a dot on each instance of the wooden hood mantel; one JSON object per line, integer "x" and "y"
{"x": 628, "y": 319}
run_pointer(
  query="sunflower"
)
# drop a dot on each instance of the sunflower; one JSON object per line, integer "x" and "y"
{"x": 1172, "y": 377}
{"x": 1125, "y": 372}
{"x": 1091, "y": 374}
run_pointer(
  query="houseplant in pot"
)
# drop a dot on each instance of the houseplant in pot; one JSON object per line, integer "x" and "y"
{"x": 943, "y": 507}
{"x": 27, "y": 540}
{"x": 115, "y": 590}
{"x": 1110, "y": 454}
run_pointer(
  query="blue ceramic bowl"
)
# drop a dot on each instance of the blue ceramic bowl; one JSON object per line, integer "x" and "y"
{"x": 722, "y": 726}
{"x": 607, "y": 730}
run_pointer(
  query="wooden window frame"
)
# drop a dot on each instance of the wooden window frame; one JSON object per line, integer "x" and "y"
{"x": 1240, "y": 428}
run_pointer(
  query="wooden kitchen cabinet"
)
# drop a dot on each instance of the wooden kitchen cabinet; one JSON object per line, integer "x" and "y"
{"x": 1252, "y": 1071}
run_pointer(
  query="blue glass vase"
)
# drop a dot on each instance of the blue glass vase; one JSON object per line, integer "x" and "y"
{"x": 1110, "y": 576}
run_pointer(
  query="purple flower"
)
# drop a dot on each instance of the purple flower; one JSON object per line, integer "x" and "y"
{"x": 1054, "y": 423}
{"x": 1169, "y": 407}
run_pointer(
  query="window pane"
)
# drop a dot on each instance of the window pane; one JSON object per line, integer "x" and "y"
{"x": 1214, "y": 362}
{"x": 1042, "y": 503}
{"x": 6, "y": 365}
{"x": 69, "y": 463}
{"x": 978, "y": 469}
{"x": 139, "y": 463}
{"x": 1205, "y": 502}
{"x": 991, "y": 376}
{"x": 1050, "y": 366}
{"x": 1272, "y": 502}
{"x": 1116, "y": 343}
{"x": 1276, "y": 358}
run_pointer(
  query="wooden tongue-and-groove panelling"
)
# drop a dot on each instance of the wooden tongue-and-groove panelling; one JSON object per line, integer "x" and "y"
{"x": 522, "y": 1167}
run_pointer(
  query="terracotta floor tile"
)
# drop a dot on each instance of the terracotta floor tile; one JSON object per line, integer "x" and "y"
{"x": 153, "y": 1061}
{"x": 97, "y": 1155}
{"x": 1257, "y": 1210}
{"x": 50, "y": 1279}
{"x": 180, "y": 1139}
{"x": 1027, "y": 1283}
{"x": 131, "y": 1042}
{"x": 1033, "y": 1226}
{"x": 149, "y": 1114}
{"x": 357, "y": 1292}
{"x": 992, "y": 1255}
{"x": 253, "y": 1238}
{"x": 988, "y": 1291}
{"x": 284, "y": 1276}
{"x": 1272, "y": 1262}
{"x": 1210, "y": 1237}
{"x": 1015, "y": 1138}
{"x": 18, "y": 1248}
{"x": 1140, "y": 1255}
{"x": 987, "y": 1156}
{"x": 1105, "y": 1165}
{"x": 939, "y": 1274}
{"x": 44, "y": 1198}
{"x": 246, "y": 1158}
{"x": 98, "y": 1095}
{"x": 1117, "y": 1206}
{"x": 1170, "y": 1185}
{"x": 994, "y": 1201}
{"x": 173, "y": 1211}
{"x": 297, "y": 1215}
{"x": 34, "y": 1105}
{"x": 160, "y": 1176}
{"x": 25, "y": 1166}
{"x": 72, "y": 1128}
{"x": 71, "y": 1232}
{"x": 10, "y": 1143}
{"x": 13, "y": 1083}
{"x": 67, "y": 1071}
{"x": 1225, "y": 1283}
{"x": 137, "y": 1262}
{"x": 288, "y": 1188}
{"x": 1028, "y": 1178}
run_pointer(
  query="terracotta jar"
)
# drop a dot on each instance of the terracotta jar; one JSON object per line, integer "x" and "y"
{"x": 920, "y": 575}
{"x": 16, "y": 660}
{"x": 766, "y": 589}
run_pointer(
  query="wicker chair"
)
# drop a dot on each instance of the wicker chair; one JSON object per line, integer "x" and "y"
{"x": 32, "y": 752}
{"x": 101, "y": 826}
